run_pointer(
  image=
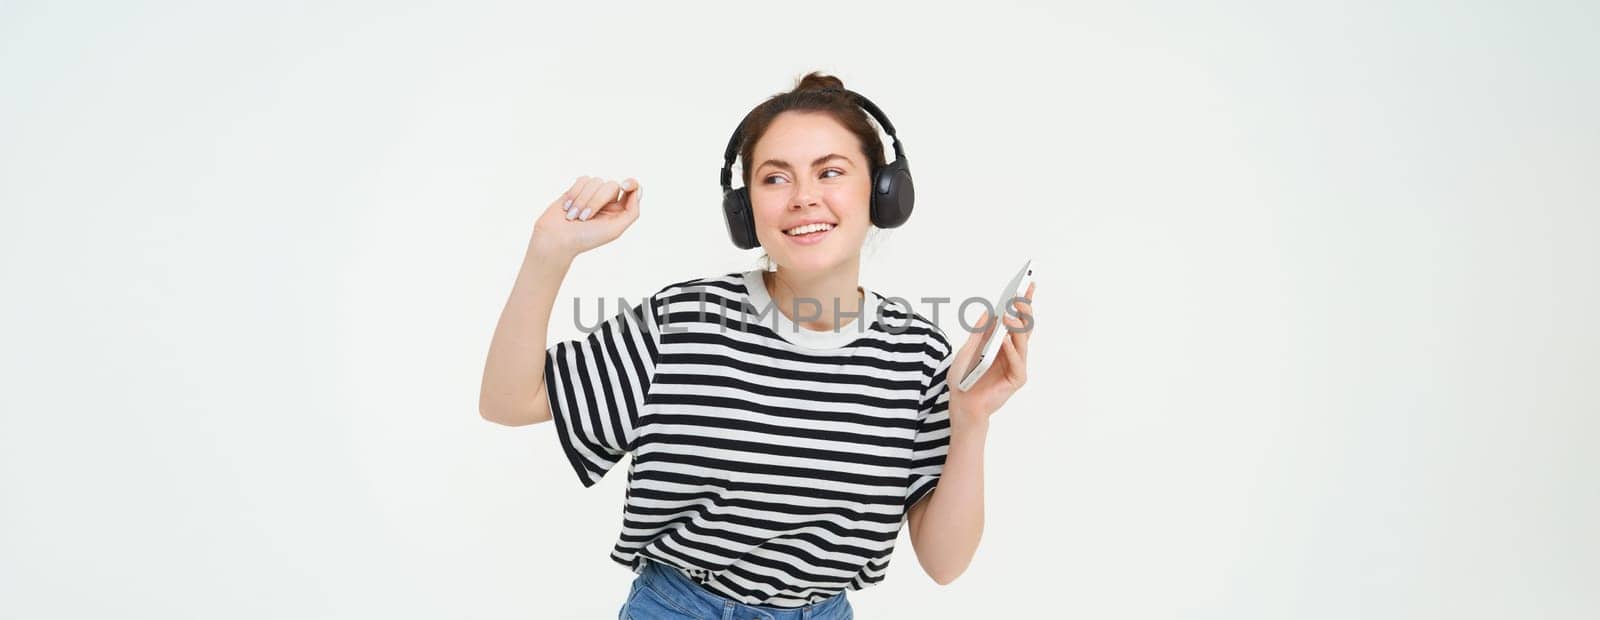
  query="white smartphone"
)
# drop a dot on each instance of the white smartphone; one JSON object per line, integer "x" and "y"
{"x": 990, "y": 348}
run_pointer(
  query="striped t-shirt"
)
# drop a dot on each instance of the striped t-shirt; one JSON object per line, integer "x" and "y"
{"x": 773, "y": 464}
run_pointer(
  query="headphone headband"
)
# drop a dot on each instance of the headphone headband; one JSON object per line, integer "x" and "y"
{"x": 732, "y": 152}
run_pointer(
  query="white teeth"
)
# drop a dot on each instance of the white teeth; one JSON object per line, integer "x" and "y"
{"x": 808, "y": 228}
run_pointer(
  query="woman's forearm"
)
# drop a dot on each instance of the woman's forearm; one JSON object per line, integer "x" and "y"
{"x": 513, "y": 377}
{"x": 952, "y": 523}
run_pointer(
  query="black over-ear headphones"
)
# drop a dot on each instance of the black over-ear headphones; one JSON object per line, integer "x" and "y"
{"x": 892, "y": 193}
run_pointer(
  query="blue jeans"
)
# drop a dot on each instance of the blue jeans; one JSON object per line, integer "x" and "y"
{"x": 660, "y": 592}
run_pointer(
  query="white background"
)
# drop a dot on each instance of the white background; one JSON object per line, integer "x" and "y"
{"x": 1315, "y": 316}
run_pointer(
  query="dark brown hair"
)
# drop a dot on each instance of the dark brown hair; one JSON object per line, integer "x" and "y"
{"x": 808, "y": 96}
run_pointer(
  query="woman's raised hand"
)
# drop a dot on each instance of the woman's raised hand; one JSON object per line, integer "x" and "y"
{"x": 591, "y": 213}
{"x": 1005, "y": 376}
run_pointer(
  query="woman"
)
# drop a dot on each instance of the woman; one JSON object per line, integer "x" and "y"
{"x": 778, "y": 446}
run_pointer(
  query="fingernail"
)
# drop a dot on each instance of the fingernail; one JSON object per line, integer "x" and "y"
{"x": 572, "y": 212}
{"x": 585, "y": 214}
{"x": 567, "y": 206}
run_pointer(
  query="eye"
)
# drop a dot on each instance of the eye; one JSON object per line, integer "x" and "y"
{"x": 768, "y": 180}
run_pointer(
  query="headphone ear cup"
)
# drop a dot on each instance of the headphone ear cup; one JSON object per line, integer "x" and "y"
{"x": 741, "y": 222}
{"x": 893, "y": 194}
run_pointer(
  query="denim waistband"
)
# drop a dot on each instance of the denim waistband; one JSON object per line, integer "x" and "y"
{"x": 671, "y": 583}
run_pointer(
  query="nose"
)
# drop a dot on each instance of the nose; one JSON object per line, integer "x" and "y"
{"x": 805, "y": 195}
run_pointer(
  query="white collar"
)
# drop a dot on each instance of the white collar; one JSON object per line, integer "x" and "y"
{"x": 801, "y": 335}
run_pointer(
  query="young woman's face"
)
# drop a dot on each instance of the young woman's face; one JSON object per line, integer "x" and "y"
{"x": 809, "y": 168}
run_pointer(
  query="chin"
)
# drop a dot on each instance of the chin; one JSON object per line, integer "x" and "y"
{"x": 809, "y": 262}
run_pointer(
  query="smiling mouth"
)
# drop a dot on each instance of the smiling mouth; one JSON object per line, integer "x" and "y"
{"x": 808, "y": 229}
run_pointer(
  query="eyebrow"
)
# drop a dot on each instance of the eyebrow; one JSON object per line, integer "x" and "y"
{"x": 817, "y": 162}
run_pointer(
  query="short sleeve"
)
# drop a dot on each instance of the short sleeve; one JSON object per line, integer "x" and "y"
{"x": 933, "y": 431}
{"x": 596, "y": 385}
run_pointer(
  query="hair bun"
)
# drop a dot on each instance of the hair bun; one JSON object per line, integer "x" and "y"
{"x": 817, "y": 80}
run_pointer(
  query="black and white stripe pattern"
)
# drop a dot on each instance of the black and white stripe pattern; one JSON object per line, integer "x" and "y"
{"x": 771, "y": 463}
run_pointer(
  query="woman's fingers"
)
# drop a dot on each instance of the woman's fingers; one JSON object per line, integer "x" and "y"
{"x": 1016, "y": 365}
{"x": 626, "y": 190}
{"x": 634, "y": 193}
{"x": 594, "y": 197}
{"x": 618, "y": 216}
{"x": 982, "y": 326}
{"x": 575, "y": 201}
{"x": 591, "y": 186}
{"x": 1025, "y": 306}
{"x": 577, "y": 197}
{"x": 570, "y": 197}
{"x": 963, "y": 356}
{"x": 609, "y": 197}
{"x": 601, "y": 210}
{"x": 1014, "y": 332}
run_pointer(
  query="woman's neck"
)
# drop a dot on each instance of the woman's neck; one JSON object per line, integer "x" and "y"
{"x": 818, "y": 293}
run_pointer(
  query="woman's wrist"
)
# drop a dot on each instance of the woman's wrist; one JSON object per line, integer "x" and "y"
{"x": 964, "y": 422}
{"x": 542, "y": 250}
